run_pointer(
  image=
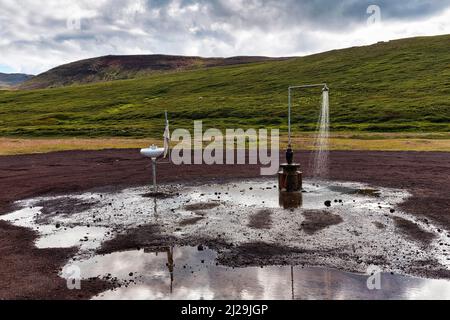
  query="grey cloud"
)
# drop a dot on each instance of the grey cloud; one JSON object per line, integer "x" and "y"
{"x": 322, "y": 14}
{"x": 34, "y": 35}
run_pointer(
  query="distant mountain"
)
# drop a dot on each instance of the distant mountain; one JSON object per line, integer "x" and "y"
{"x": 110, "y": 68}
{"x": 8, "y": 80}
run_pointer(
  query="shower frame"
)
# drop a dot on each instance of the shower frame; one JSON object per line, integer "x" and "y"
{"x": 291, "y": 88}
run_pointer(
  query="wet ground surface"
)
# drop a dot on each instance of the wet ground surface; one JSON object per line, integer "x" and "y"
{"x": 342, "y": 226}
{"x": 32, "y": 273}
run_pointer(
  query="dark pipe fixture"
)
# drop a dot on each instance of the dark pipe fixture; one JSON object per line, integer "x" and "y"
{"x": 290, "y": 155}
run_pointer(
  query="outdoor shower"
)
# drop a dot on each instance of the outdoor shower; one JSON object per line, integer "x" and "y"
{"x": 290, "y": 177}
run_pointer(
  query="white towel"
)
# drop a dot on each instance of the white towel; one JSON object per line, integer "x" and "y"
{"x": 166, "y": 138}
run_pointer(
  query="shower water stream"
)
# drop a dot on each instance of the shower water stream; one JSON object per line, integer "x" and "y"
{"x": 321, "y": 144}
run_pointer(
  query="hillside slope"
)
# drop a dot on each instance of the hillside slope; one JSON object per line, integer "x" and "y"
{"x": 401, "y": 85}
{"x": 111, "y": 68}
{"x": 8, "y": 80}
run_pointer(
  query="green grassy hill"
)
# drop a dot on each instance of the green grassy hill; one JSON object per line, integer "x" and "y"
{"x": 401, "y": 85}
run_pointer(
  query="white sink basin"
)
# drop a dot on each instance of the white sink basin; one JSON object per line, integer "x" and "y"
{"x": 153, "y": 152}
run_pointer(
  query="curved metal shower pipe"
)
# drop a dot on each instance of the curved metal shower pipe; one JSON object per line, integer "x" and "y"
{"x": 323, "y": 85}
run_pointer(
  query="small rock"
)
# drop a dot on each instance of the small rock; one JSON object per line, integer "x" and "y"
{"x": 328, "y": 203}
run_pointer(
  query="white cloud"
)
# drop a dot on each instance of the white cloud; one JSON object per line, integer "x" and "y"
{"x": 34, "y": 35}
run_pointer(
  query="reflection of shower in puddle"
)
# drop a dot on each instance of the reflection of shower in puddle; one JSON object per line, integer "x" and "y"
{"x": 193, "y": 274}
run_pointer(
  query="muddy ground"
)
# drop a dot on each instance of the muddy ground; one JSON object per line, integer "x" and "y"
{"x": 28, "y": 272}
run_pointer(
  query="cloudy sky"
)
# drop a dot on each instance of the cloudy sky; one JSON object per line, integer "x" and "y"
{"x": 36, "y": 35}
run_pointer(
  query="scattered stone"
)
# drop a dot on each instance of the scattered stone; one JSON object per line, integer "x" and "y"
{"x": 328, "y": 203}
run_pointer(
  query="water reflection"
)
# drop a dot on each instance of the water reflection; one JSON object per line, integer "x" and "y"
{"x": 187, "y": 273}
{"x": 290, "y": 200}
{"x": 170, "y": 261}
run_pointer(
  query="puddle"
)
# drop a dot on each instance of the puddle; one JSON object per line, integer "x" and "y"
{"x": 362, "y": 233}
{"x": 57, "y": 235}
{"x": 186, "y": 273}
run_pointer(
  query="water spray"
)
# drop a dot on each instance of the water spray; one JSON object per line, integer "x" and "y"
{"x": 324, "y": 89}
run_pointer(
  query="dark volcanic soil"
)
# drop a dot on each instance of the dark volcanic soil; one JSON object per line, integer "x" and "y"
{"x": 31, "y": 273}
{"x": 413, "y": 231}
{"x": 261, "y": 220}
{"x": 28, "y": 272}
{"x": 318, "y": 220}
{"x": 62, "y": 207}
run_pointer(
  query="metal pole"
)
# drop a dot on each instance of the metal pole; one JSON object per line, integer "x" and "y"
{"x": 289, "y": 117}
{"x": 154, "y": 173}
{"x": 292, "y": 282}
{"x": 309, "y": 86}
